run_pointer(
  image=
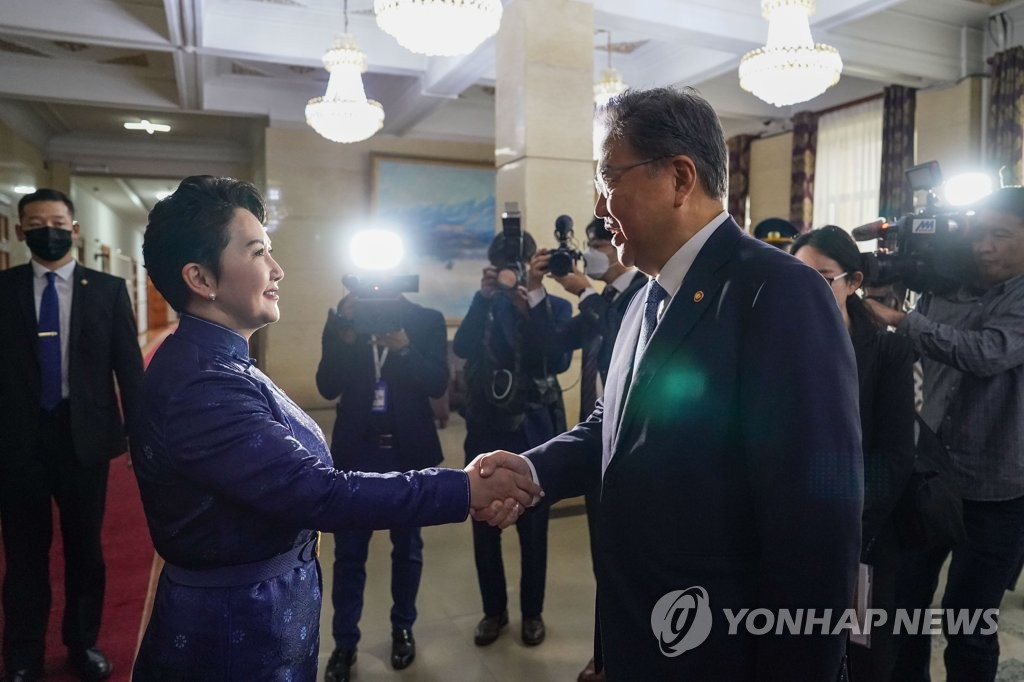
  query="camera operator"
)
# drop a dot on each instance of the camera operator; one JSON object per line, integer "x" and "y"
{"x": 384, "y": 423}
{"x": 972, "y": 345}
{"x": 513, "y": 402}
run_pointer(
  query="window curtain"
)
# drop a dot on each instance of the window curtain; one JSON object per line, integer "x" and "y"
{"x": 1004, "y": 134}
{"x": 801, "y": 192}
{"x": 739, "y": 176}
{"x": 849, "y": 166}
{"x": 895, "y": 197}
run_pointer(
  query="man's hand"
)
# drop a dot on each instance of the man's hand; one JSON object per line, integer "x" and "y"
{"x": 574, "y": 282}
{"x": 501, "y": 487}
{"x": 393, "y": 341}
{"x": 884, "y": 313}
{"x": 489, "y": 282}
{"x": 539, "y": 266}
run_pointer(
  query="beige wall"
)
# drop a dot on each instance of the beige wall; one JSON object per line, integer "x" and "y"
{"x": 324, "y": 192}
{"x": 770, "y": 163}
{"x": 21, "y": 163}
{"x": 948, "y": 125}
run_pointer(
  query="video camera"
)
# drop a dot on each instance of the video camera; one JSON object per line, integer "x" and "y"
{"x": 565, "y": 256}
{"x": 378, "y": 301}
{"x": 927, "y": 250}
{"x": 514, "y": 249}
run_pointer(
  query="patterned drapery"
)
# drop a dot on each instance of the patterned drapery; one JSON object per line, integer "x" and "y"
{"x": 1005, "y": 135}
{"x": 739, "y": 176}
{"x": 801, "y": 194}
{"x": 895, "y": 197}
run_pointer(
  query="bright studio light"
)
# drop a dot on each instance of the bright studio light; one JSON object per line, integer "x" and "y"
{"x": 377, "y": 249}
{"x": 967, "y": 188}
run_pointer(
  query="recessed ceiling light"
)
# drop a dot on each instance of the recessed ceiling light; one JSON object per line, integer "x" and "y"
{"x": 24, "y": 189}
{"x": 148, "y": 127}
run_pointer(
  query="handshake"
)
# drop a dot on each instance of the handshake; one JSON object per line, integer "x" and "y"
{"x": 501, "y": 487}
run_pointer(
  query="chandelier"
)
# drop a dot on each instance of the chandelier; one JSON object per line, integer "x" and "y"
{"x": 791, "y": 67}
{"x": 611, "y": 82}
{"x": 439, "y": 27}
{"x": 344, "y": 114}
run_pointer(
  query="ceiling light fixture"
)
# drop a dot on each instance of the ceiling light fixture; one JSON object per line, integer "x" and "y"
{"x": 791, "y": 67}
{"x": 344, "y": 114}
{"x": 439, "y": 27}
{"x": 611, "y": 83}
{"x": 24, "y": 189}
{"x": 148, "y": 127}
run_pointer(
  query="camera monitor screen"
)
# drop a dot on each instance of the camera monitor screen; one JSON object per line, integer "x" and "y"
{"x": 924, "y": 176}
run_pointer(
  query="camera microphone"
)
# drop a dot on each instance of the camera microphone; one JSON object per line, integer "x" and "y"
{"x": 872, "y": 230}
{"x": 563, "y": 224}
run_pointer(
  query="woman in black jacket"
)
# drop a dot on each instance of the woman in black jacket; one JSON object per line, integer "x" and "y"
{"x": 885, "y": 374}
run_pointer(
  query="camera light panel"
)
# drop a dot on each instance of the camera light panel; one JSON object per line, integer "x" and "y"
{"x": 377, "y": 249}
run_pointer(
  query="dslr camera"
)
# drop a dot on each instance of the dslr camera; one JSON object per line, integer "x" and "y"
{"x": 927, "y": 250}
{"x": 378, "y": 301}
{"x": 566, "y": 255}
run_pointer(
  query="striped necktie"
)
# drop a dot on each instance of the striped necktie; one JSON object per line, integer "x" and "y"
{"x": 49, "y": 344}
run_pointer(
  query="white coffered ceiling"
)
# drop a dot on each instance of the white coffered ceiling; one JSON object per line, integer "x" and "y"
{"x": 72, "y": 71}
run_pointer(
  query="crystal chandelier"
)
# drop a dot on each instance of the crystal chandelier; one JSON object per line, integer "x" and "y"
{"x": 791, "y": 67}
{"x": 344, "y": 114}
{"x": 611, "y": 82}
{"x": 439, "y": 27}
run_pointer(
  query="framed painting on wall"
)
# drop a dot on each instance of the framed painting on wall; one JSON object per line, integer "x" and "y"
{"x": 445, "y": 212}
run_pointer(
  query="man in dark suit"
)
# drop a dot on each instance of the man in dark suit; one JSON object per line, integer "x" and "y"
{"x": 727, "y": 443}
{"x": 384, "y": 423}
{"x": 594, "y": 330}
{"x": 65, "y": 331}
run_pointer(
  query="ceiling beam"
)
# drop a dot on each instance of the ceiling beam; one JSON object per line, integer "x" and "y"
{"x": 97, "y": 22}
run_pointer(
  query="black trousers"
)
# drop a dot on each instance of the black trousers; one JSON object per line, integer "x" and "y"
{"x": 26, "y": 509}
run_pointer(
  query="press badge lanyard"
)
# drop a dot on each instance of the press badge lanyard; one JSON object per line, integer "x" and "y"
{"x": 380, "y": 387}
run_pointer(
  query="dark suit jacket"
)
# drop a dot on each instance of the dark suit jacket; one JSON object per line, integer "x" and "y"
{"x": 735, "y": 466}
{"x": 600, "y": 319}
{"x": 412, "y": 379}
{"x": 103, "y": 343}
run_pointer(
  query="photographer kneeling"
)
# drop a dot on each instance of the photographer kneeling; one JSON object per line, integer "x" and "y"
{"x": 972, "y": 345}
{"x": 513, "y": 403}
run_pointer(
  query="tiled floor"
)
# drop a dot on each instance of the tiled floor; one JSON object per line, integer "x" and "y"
{"x": 449, "y": 607}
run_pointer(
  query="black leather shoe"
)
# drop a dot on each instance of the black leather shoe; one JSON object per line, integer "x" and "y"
{"x": 489, "y": 628}
{"x": 533, "y": 631}
{"x": 91, "y": 664}
{"x": 339, "y": 667}
{"x": 403, "y": 648}
{"x": 23, "y": 675}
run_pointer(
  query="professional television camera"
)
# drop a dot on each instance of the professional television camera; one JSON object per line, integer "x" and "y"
{"x": 378, "y": 301}
{"x": 927, "y": 250}
{"x": 565, "y": 256}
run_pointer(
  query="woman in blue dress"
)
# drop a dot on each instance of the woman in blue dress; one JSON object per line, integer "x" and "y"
{"x": 235, "y": 479}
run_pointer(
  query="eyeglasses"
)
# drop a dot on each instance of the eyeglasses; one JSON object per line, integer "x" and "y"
{"x": 601, "y": 179}
{"x": 834, "y": 278}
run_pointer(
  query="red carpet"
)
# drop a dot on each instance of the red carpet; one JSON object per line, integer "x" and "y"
{"x": 128, "y": 553}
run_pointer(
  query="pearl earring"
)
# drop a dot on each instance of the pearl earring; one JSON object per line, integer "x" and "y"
{"x": 213, "y": 296}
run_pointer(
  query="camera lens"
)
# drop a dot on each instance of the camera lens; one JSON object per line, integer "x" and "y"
{"x": 560, "y": 264}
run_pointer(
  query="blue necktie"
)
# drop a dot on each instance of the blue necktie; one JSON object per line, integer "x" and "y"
{"x": 655, "y": 295}
{"x": 49, "y": 344}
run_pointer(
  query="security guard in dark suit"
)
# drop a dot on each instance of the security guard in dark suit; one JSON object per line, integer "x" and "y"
{"x": 66, "y": 332}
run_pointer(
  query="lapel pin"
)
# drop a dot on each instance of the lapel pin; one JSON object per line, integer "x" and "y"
{"x": 698, "y": 297}
{"x": 83, "y": 281}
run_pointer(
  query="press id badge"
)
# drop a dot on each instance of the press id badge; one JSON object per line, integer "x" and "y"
{"x": 380, "y": 397}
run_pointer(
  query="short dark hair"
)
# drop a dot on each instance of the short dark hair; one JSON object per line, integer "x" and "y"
{"x": 191, "y": 226}
{"x": 666, "y": 122}
{"x": 1009, "y": 200}
{"x": 596, "y": 229}
{"x": 45, "y": 194}
{"x": 496, "y": 250}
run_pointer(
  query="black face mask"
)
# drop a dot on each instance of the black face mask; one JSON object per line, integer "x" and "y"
{"x": 48, "y": 243}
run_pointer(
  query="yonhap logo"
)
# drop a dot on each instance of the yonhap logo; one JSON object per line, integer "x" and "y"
{"x": 681, "y": 620}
